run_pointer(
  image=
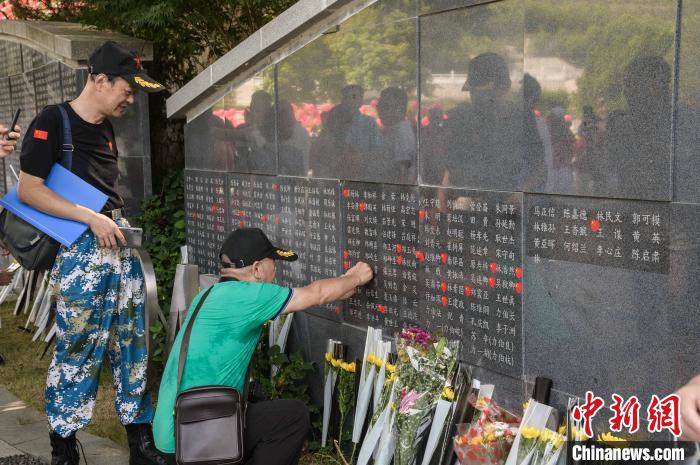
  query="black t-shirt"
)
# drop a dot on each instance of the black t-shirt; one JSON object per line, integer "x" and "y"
{"x": 94, "y": 157}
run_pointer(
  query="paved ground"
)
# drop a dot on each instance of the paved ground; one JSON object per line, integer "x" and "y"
{"x": 23, "y": 431}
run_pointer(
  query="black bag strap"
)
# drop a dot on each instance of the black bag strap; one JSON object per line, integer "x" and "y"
{"x": 186, "y": 339}
{"x": 184, "y": 345}
{"x": 66, "y": 141}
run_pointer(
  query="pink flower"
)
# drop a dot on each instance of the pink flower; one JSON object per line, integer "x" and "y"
{"x": 408, "y": 400}
{"x": 419, "y": 335}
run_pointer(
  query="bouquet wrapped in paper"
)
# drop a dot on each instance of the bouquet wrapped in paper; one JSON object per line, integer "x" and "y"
{"x": 489, "y": 438}
{"x": 535, "y": 444}
{"x": 425, "y": 364}
{"x": 378, "y": 442}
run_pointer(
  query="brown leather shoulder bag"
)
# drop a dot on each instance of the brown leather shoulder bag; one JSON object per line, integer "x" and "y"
{"x": 209, "y": 420}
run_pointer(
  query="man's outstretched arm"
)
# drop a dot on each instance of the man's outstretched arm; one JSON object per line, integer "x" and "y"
{"x": 329, "y": 290}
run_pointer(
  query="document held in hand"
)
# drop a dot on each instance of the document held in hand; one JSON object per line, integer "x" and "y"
{"x": 70, "y": 187}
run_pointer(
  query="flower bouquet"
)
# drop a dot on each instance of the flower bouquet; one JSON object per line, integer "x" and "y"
{"x": 335, "y": 353}
{"x": 378, "y": 440}
{"x": 488, "y": 439}
{"x": 534, "y": 443}
{"x": 424, "y": 366}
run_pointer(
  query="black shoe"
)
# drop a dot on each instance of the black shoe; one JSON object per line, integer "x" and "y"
{"x": 64, "y": 451}
{"x": 142, "y": 450}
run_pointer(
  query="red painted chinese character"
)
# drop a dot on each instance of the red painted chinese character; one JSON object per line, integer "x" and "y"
{"x": 664, "y": 414}
{"x": 626, "y": 414}
{"x": 587, "y": 411}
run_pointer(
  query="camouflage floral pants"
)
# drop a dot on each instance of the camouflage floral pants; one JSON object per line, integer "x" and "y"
{"x": 100, "y": 310}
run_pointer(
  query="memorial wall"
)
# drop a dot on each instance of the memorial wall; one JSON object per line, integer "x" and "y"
{"x": 522, "y": 175}
{"x": 30, "y": 79}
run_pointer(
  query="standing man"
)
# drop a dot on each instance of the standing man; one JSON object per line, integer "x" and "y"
{"x": 224, "y": 337}
{"x": 98, "y": 286}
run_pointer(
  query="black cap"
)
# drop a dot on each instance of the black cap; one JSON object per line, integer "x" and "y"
{"x": 488, "y": 70}
{"x": 246, "y": 246}
{"x": 114, "y": 60}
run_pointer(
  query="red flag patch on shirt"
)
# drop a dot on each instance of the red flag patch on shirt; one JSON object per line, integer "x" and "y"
{"x": 39, "y": 134}
{"x": 109, "y": 144}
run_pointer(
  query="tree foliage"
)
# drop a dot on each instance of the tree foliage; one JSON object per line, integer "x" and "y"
{"x": 187, "y": 35}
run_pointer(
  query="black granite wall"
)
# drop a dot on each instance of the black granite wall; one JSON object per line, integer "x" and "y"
{"x": 521, "y": 174}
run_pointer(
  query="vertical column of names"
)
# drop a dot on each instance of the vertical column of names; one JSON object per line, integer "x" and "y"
{"x": 205, "y": 199}
{"x": 323, "y": 237}
{"x": 472, "y": 272}
{"x": 398, "y": 278}
{"x": 292, "y": 229}
{"x": 360, "y": 210}
{"x": 253, "y": 202}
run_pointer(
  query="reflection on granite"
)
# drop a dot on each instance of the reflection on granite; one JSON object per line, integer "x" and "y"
{"x": 609, "y": 132}
{"x": 197, "y": 138}
{"x": 355, "y": 126}
{"x": 687, "y": 158}
{"x": 476, "y": 131}
{"x": 248, "y": 138}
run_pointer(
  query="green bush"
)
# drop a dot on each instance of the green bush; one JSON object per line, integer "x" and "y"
{"x": 163, "y": 221}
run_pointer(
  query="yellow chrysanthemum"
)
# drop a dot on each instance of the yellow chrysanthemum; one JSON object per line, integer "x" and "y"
{"x": 529, "y": 432}
{"x": 558, "y": 441}
{"x": 352, "y": 367}
{"x": 371, "y": 359}
{"x": 525, "y": 405}
{"x": 608, "y": 437}
{"x": 390, "y": 368}
{"x": 579, "y": 435}
{"x": 329, "y": 357}
{"x": 562, "y": 429}
{"x": 448, "y": 393}
{"x": 546, "y": 435}
{"x": 335, "y": 362}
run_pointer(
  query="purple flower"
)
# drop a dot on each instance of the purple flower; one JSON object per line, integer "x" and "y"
{"x": 417, "y": 335}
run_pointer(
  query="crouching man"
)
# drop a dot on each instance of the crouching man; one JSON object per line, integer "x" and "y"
{"x": 224, "y": 337}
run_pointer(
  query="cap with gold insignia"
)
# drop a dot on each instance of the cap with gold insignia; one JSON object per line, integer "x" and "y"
{"x": 245, "y": 246}
{"x": 112, "y": 59}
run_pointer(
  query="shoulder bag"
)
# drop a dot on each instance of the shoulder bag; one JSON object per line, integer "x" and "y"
{"x": 31, "y": 247}
{"x": 209, "y": 420}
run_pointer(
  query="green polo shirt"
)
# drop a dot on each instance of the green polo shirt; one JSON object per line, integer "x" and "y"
{"x": 222, "y": 342}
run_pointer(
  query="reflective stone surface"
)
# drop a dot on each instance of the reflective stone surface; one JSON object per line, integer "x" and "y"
{"x": 205, "y": 143}
{"x": 536, "y": 222}
{"x": 687, "y": 155}
{"x": 633, "y": 329}
{"x": 602, "y": 75}
{"x": 348, "y": 100}
{"x": 474, "y": 129}
{"x": 246, "y": 140}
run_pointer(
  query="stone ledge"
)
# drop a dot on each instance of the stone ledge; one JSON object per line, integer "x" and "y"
{"x": 69, "y": 42}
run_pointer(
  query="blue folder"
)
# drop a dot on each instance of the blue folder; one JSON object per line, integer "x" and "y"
{"x": 70, "y": 187}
